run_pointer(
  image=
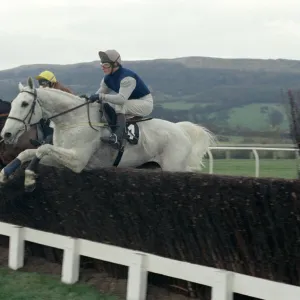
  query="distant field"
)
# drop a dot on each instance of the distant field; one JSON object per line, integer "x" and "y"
{"x": 256, "y": 140}
{"x": 279, "y": 168}
{"x": 180, "y": 105}
{"x": 252, "y": 117}
{"x": 32, "y": 286}
{"x": 249, "y": 116}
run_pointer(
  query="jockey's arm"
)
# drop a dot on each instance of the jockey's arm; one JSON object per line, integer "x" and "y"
{"x": 127, "y": 85}
{"x": 103, "y": 88}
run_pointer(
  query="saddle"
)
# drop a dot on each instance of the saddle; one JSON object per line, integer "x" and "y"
{"x": 131, "y": 129}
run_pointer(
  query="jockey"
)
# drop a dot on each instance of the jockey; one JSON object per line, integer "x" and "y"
{"x": 48, "y": 79}
{"x": 132, "y": 96}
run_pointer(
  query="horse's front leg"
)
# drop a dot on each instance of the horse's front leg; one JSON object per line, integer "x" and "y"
{"x": 7, "y": 172}
{"x": 69, "y": 158}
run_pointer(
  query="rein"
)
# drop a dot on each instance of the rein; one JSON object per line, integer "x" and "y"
{"x": 32, "y": 108}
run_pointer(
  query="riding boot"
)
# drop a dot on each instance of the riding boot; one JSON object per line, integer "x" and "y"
{"x": 116, "y": 138}
{"x": 49, "y": 139}
{"x": 35, "y": 143}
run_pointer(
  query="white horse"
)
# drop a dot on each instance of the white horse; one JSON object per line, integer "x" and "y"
{"x": 77, "y": 131}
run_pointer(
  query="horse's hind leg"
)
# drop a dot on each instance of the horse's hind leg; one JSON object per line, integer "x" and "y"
{"x": 175, "y": 157}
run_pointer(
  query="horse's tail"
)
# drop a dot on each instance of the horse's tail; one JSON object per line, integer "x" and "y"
{"x": 201, "y": 139}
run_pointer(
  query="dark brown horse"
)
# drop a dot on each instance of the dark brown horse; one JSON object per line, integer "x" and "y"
{"x": 10, "y": 152}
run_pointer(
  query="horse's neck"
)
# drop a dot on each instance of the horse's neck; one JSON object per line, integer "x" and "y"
{"x": 55, "y": 102}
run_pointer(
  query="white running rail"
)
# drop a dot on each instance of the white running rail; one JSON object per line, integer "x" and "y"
{"x": 223, "y": 283}
{"x": 253, "y": 149}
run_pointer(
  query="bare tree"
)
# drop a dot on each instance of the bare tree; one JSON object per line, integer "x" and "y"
{"x": 293, "y": 113}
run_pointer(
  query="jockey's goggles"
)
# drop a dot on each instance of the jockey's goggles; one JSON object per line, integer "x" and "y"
{"x": 44, "y": 82}
{"x": 106, "y": 65}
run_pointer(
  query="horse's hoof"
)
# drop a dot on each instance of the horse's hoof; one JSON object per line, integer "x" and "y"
{"x": 30, "y": 188}
{"x": 30, "y": 182}
{"x": 3, "y": 179}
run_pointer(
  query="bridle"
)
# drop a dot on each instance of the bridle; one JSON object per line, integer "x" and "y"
{"x": 32, "y": 111}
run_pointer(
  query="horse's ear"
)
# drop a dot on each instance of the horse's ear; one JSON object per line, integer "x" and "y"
{"x": 30, "y": 83}
{"x": 21, "y": 87}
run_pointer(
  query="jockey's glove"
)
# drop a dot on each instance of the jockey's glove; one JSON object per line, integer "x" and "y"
{"x": 94, "y": 97}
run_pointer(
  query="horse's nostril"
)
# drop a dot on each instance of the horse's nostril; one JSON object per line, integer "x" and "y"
{"x": 7, "y": 135}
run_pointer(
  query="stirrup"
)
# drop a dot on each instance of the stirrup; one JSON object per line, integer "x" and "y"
{"x": 113, "y": 141}
{"x": 35, "y": 143}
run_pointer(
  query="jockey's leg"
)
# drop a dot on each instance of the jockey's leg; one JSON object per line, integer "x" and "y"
{"x": 116, "y": 138}
{"x": 135, "y": 107}
{"x": 110, "y": 115}
{"x": 47, "y": 137}
{"x": 139, "y": 107}
{"x": 48, "y": 134}
{"x": 47, "y": 140}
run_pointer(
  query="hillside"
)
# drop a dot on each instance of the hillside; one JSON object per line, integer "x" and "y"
{"x": 230, "y": 96}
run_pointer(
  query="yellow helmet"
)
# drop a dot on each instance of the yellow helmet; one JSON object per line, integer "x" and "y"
{"x": 46, "y": 75}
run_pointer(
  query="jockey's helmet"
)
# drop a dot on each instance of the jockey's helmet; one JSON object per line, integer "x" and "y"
{"x": 110, "y": 56}
{"x": 46, "y": 78}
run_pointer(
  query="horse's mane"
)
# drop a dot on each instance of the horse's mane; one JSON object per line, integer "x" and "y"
{"x": 62, "y": 93}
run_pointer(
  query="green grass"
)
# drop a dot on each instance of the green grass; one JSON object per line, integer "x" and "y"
{"x": 256, "y": 140}
{"x": 179, "y": 105}
{"x": 250, "y": 116}
{"x": 17, "y": 285}
{"x": 279, "y": 168}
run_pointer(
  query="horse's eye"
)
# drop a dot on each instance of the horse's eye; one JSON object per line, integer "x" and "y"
{"x": 24, "y": 104}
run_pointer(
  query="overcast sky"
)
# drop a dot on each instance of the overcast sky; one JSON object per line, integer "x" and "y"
{"x": 64, "y": 31}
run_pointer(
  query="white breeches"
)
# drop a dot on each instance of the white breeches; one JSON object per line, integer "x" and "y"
{"x": 135, "y": 107}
